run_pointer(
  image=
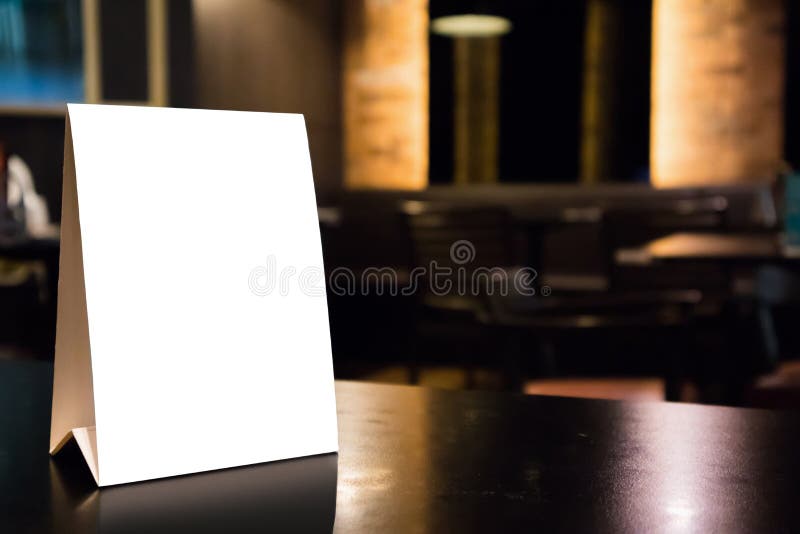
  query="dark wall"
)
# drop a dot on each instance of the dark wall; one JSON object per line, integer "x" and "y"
{"x": 632, "y": 158}
{"x": 123, "y": 34}
{"x": 542, "y": 63}
{"x": 276, "y": 56}
{"x": 181, "y": 54}
{"x": 124, "y": 56}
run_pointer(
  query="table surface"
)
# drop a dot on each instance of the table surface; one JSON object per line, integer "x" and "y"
{"x": 690, "y": 246}
{"x": 421, "y": 460}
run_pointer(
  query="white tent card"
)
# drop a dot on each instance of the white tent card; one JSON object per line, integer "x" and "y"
{"x": 168, "y": 362}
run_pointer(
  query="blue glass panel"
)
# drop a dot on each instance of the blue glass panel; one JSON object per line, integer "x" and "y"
{"x": 41, "y": 52}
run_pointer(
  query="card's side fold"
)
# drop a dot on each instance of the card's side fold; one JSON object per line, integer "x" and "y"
{"x": 73, "y": 395}
{"x": 86, "y": 438}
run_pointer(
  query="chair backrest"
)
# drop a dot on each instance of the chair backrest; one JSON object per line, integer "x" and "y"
{"x": 369, "y": 234}
{"x": 634, "y": 225}
{"x": 778, "y": 297}
{"x": 454, "y": 236}
{"x": 572, "y": 257}
{"x": 776, "y": 286}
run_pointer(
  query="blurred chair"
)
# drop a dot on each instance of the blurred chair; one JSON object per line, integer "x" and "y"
{"x": 580, "y": 255}
{"x": 777, "y": 293}
{"x": 778, "y": 307}
{"x": 636, "y": 224}
{"x": 573, "y": 258}
{"x": 366, "y": 235}
{"x": 449, "y": 244}
{"x": 23, "y": 290}
{"x": 633, "y": 226}
{"x": 475, "y": 243}
{"x": 604, "y": 302}
{"x": 660, "y": 320}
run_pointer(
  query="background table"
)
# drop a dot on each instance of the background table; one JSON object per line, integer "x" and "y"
{"x": 689, "y": 246}
{"x": 421, "y": 460}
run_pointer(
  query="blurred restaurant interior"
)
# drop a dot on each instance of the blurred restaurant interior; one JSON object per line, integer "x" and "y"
{"x": 631, "y": 160}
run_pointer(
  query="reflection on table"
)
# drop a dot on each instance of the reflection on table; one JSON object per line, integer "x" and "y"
{"x": 719, "y": 247}
{"x": 422, "y": 460}
{"x": 290, "y": 496}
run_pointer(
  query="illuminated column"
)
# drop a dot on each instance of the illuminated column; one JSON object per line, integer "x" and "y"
{"x": 386, "y": 94}
{"x": 717, "y": 91}
{"x": 476, "y": 123}
{"x": 476, "y": 84}
{"x": 600, "y": 82}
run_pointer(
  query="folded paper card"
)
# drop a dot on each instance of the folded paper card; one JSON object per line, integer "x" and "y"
{"x": 180, "y": 346}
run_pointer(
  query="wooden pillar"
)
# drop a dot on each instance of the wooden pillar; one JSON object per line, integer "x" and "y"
{"x": 601, "y": 77}
{"x": 717, "y": 91}
{"x": 386, "y": 94}
{"x": 476, "y": 127}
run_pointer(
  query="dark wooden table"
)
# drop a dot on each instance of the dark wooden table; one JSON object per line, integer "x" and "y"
{"x": 694, "y": 247}
{"x": 422, "y": 460}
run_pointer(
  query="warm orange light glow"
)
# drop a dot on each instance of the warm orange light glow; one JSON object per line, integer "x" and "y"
{"x": 717, "y": 91}
{"x": 386, "y": 94}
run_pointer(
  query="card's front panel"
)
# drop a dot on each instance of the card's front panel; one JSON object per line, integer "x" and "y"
{"x": 205, "y": 294}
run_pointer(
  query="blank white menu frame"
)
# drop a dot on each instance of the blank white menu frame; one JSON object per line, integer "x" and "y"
{"x": 192, "y": 328}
